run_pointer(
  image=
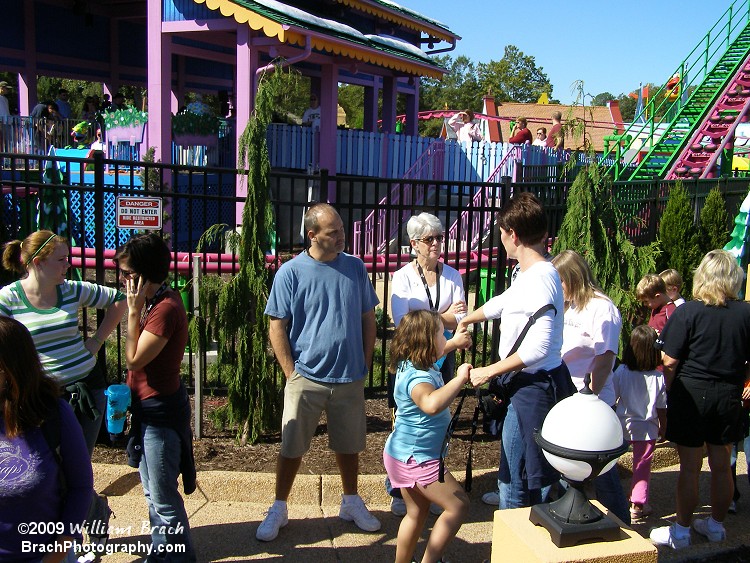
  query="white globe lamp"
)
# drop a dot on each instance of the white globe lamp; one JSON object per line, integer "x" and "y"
{"x": 582, "y": 438}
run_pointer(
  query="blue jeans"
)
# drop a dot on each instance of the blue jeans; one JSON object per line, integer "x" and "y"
{"x": 515, "y": 493}
{"x": 159, "y": 468}
{"x": 609, "y": 492}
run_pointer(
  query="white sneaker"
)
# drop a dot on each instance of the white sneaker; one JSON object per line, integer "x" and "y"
{"x": 398, "y": 506}
{"x": 276, "y": 518}
{"x": 492, "y": 498}
{"x": 666, "y": 536}
{"x": 356, "y": 511}
{"x": 701, "y": 526}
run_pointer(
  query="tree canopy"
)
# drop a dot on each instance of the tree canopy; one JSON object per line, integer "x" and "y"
{"x": 514, "y": 78}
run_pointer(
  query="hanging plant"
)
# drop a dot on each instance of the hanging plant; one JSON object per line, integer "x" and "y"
{"x": 189, "y": 123}
{"x": 129, "y": 117}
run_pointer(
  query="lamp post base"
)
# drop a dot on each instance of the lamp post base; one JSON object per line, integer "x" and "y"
{"x": 572, "y": 519}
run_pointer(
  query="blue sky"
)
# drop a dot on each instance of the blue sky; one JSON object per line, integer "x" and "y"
{"x": 608, "y": 45}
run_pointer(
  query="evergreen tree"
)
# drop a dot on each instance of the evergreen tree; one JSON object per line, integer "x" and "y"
{"x": 591, "y": 227}
{"x": 713, "y": 231}
{"x": 678, "y": 236}
{"x": 254, "y": 398}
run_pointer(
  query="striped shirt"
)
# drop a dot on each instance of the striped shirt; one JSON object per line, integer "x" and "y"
{"x": 55, "y": 331}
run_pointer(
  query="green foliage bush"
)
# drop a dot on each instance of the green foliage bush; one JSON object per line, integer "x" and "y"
{"x": 713, "y": 230}
{"x": 678, "y": 236}
{"x": 592, "y": 227}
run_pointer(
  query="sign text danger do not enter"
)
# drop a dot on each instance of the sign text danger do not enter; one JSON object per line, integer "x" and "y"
{"x": 139, "y": 212}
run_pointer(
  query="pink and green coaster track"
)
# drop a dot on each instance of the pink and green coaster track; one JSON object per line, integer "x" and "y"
{"x": 663, "y": 134}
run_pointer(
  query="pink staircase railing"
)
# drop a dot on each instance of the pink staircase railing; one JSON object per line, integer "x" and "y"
{"x": 480, "y": 223}
{"x": 378, "y": 228}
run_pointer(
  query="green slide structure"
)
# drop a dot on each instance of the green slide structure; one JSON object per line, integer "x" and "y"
{"x": 662, "y": 131}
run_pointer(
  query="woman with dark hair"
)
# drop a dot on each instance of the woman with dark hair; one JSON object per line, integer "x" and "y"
{"x": 531, "y": 368}
{"x": 48, "y": 305}
{"x": 705, "y": 354}
{"x": 39, "y": 482}
{"x": 161, "y": 441}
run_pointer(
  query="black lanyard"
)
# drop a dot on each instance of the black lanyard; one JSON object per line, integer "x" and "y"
{"x": 151, "y": 302}
{"x": 433, "y": 306}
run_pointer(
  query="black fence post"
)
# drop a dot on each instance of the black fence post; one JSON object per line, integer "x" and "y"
{"x": 654, "y": 215}
{"x": 500, "y": 279}
{"x": 99, "y": 237}
{"x": 326, "y": 194}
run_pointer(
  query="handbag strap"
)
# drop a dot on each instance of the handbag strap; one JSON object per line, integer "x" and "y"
{"x": 532, "y": 319}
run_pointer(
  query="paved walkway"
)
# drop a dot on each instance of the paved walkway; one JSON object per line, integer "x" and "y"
{"x": 228, "y": 506}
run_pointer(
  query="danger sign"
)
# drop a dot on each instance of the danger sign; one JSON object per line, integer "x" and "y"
{"x": 139, "y": 212}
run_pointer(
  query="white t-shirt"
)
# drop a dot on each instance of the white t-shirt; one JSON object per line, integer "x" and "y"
{"x": 312, "y": 117}
{"x": 408, "y": 293}
{"x": 537, "y": 286}
{"x": 640, "y": 394}
{"x": 590, "y": 332}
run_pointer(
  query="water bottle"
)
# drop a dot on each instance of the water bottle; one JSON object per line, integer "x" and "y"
{"x": 118, "y": 401}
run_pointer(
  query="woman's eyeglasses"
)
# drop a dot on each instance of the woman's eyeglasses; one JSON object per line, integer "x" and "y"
{"x": 432, "y": 238}
{"x": 128, "y": 273}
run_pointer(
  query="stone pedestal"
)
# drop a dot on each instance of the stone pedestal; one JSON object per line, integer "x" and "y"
{"x": 515, "y": 538}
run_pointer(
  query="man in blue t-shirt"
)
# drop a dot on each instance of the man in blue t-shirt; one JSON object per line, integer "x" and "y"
{"x": 322, "y": 330}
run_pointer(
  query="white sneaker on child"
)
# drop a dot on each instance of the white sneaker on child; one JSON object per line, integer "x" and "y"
{"x": 276, "y": 518}
{"x": 355, "y": 511}
{"x": 666, "y": 535}
{"x": 704, "y": 528}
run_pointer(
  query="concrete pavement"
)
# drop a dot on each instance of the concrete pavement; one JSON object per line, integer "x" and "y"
{"x": 228, "y": 507}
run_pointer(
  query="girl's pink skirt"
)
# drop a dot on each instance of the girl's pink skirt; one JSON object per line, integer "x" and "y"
{"x": 411, "y": 473}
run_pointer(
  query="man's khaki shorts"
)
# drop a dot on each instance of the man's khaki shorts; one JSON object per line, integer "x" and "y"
{"x": 305, "y": 400}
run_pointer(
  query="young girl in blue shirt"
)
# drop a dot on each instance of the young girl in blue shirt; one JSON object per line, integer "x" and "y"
{"x": 413, "y": 450}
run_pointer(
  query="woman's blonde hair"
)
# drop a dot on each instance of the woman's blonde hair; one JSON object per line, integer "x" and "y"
{"x": 414, "y": 340}
{"x": 717, "y": 279}
{"x": 575, "y": 273}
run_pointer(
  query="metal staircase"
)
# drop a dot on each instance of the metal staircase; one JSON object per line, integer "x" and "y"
{"x": 716, "y": 132}
{"x": 481, "y": 223}
{"x": 379, "y": 227}
{"x": 663, "y": 131}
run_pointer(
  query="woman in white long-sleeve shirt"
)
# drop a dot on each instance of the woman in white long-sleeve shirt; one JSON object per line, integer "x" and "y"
{"x": 463, "y": 124}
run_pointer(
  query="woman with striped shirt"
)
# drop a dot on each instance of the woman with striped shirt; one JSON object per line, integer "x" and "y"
{"x": 48, "y": 305}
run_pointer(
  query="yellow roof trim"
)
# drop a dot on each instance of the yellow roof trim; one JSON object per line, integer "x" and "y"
{"x": 390, "y": 16}
{"x": 272, "y": 29}
{"x": 360, "y": 54}
{"x": 257, "y": 22}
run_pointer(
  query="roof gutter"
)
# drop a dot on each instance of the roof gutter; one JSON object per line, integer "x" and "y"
{"x": 444, "y": 50}
{"x": 295, "y": 59}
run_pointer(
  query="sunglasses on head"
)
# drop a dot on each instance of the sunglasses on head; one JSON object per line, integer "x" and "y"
{"x": 432, "y": 238}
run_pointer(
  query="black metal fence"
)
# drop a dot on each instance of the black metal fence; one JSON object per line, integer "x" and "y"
{"x": 77, "y": 198}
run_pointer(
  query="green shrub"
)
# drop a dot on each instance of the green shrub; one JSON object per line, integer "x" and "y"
{"x": 713, "y": 231}
{"x": 678, "y": 236}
